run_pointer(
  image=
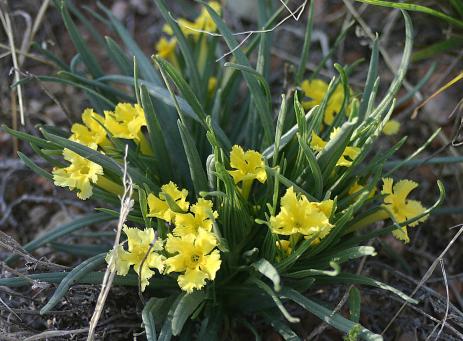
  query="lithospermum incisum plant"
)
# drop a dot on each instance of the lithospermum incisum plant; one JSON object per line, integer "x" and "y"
{"x": 240, "y": 206}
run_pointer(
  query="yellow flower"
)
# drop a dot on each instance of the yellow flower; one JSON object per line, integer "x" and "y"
{"x": 79, "y": 175}
{"x": 211, "y": 85}
{"x": 401, "y": 208}
{"x": 356, "y": 187}
{"x": 195, "y": 258}
{"x": 284, "y": 246}
{"x": 158, "y": 206}
{"x": 316, "y": 90}
{"x": 348, "y": 156}
{"x": 310, "y": 219}
{"x": 142, "y": 248}
{"x": 190, "y": 223}
{"x": 248, "y": 165}
{"x": 91, "y": 132}
{"x": 166, "y": 49}
{"x": 391, "y": 127}
{"x": 203, "y": 22}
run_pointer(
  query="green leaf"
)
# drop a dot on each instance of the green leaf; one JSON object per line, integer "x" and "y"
{"x": 414, "y": 154}
{"x": 281, "y": 327}
{"x": 315, "y": 272}
{"x": 87, "y": 56}
{"x": 371, "y": 79}
{"x": 72, "y": 277}
{"x": 30, "y": 138}
{"x": 262, "y": 104}
{"x": 184, "y": 88}
{"x": 156, "y": 137}
{"x": 416, "y": 8}
{"x": 183, "y": 44}
{"x": 118, "y": 56}
{"x": 363, "y": 280}
{"x": 78, "y": 84}
{"x": 336, "y": 320}
{"x": 279, "y": 130}
{"x": 57, "y": 277}
{"x": 105, "y": 161}
{"x": 418, "y": 86}
{"x": 185, "y": 307}
{"x": 117, "y": 213}
{"x": 147, "y": 70}
{"x": 211, "y": 324}
{"x": 33, "y": 166}
{"x": 148, "y": 319}
{"x": 316, "y": 174}
{"x": 81, "y": 250}
{"x": 402, "y": 70}
{"x": 268, "y": 270}
{"x": 62, "y": 230}
{"x": 341, "y": 256}
{"x": 198, "y": 175}
{"x": 334, "y": 149}
{"x": 287, "y": 137}
{"x": 275, "y": 299}
{"x": 306, "y": 47}
{"x": 354, "y": 304}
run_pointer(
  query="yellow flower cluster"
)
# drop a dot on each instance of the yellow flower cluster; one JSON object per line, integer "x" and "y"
{"x": 299, "y": 216}
{"x": 166, "y": 47}
{"x": 189, "y": 250}
{"x": 401, "y": 208}
{"x": 348, "y": 156}
{"x": 192, "y": 242}
{"x": 125, "y": 122}
{"x": 143, "y": 254}
{"x": 248, "y": 166}
{"x": 316, "y": 90}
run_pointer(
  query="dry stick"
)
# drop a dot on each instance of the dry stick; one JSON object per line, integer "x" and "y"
{"x": 425, "y": 277}
{"x": 447, "y": 306}
{"x": 126, "y": 206}
{"x": 26, "y": 54}
{"x": 26, "y": 36}
{"x": 35, "y": 26}
{"x": 5, "y": 19}
{"x": 140, "y": 269}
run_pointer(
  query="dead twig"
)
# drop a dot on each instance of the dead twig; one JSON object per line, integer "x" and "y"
{"x": 126, "y": 207}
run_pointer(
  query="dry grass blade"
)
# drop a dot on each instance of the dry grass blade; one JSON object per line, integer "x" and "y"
{"x": 56, "y": 334}
{"x": 442, "y": 89}
{"x": 426, "y": 276}
{"x": 126, "y": 207}
{"x": 6, "y": 22}
{"x": 444, "y": 320}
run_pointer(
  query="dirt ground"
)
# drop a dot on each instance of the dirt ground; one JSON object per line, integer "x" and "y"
{"x": 30, "y": 205}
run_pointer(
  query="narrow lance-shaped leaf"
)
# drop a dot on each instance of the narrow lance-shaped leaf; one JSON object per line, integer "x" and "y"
{"x": 87, "y": 56}
{"x": 198, "y": 174}
{"x": 72, "y": 277}
{"x": 262, "y": 104}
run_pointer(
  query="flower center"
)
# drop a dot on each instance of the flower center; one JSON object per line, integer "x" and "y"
{"x": 85, "y": 170}
{"x": 195, "y": 258}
